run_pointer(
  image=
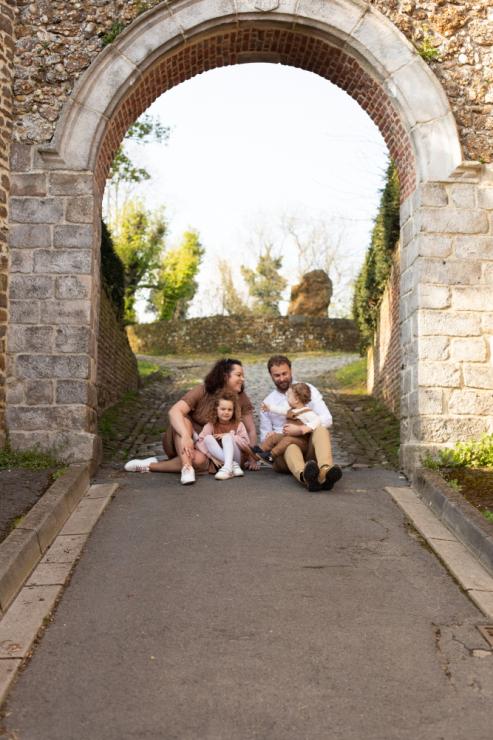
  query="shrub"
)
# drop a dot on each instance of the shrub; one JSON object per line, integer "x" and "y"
{"x": 112, "y": 272}
{"x": 476, "y": 453}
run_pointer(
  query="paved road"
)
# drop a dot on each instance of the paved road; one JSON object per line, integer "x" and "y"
{"x": 253, "y": 609}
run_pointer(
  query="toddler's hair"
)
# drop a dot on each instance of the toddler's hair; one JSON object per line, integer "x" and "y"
{"x": 302, "y": 392}
{"x": 225, "y": 395}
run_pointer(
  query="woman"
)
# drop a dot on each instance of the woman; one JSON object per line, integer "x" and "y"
{"x": 187, "y": 418}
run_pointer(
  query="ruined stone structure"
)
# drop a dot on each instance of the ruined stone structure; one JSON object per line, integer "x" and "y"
{"x": 422, "y": 70}
{"x": 311, "y": 296}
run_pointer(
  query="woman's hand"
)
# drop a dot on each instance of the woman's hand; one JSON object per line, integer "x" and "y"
{"x": 251, "y": 464}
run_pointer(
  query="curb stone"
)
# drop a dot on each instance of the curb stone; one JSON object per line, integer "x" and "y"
{"x": 457, "y": 514}
{"x": 21, "y": 551}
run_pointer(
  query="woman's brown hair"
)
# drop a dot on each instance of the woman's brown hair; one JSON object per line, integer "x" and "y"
{"x": 217, "y": 376}
{"x": 225, "y": 395}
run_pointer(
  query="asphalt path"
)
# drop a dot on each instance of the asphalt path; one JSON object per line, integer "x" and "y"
{"x": 252, "y": 609}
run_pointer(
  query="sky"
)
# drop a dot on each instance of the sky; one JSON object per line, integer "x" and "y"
{"x": 250, "y": 146}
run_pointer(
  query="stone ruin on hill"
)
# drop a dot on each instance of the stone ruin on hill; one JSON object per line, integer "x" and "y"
{"x": 311, "y": 297}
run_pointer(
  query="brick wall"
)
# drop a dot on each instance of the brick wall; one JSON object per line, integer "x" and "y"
{"x": 6, "y": 73}
{"x": 117, "y": 366}
{"x": 230, "y": 334}
{"x": 384, "y": 357}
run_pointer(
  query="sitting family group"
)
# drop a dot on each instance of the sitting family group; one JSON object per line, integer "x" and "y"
{"x": 212, "y": 430}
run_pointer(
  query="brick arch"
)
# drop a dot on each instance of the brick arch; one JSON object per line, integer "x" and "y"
{"x": 257, "y": 43}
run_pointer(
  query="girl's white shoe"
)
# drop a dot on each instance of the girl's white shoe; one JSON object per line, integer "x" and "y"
{"x": 237, "y": 471}
{"x": 224, "y": 473}
{"x": 187, "y": 475}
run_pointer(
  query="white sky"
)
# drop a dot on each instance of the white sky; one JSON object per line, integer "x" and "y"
{"x": 250, "y": 143}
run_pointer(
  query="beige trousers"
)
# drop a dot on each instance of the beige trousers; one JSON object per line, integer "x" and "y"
{"x": 319, "y": 449}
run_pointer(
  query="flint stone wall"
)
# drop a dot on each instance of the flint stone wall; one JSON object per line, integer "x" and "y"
{"x": 233, "y": 334}
{"x": 117, "y": 366}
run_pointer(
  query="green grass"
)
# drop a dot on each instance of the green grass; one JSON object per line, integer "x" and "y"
{"x": 29, "y": 459}
{"x": 352, "y": 378}
{"x": 488, "y": 514}
{"x": 108, "y": 421}
{"x": 146, "y": 368}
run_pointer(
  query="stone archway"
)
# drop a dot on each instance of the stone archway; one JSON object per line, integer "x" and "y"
{"x": 359, "y": 50}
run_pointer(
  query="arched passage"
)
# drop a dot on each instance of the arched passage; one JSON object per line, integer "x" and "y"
{"x": 346, "y": 42}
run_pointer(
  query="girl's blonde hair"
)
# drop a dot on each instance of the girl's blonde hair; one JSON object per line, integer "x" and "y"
{"x": 225, "y": 395}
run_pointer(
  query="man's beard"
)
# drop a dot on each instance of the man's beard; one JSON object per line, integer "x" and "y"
{"x": 282, "y": 385}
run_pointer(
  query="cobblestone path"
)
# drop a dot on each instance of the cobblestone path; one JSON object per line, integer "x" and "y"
{"x": 358, "y": 434}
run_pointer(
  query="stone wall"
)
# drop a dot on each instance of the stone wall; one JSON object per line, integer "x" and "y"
{"x": 384, "y": 356}
{"x": 231, "y": 334}
{"x": 58, "y": 39}
{"x": 117, "y": 366}
{"x": 447, "y": 312}
{"x": 6, "y": 73}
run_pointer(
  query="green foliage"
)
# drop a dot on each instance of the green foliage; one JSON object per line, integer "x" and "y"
{"x": 145, "y": 130}
{"x": 265, "y": 284}
{"x": 30, "y": 459}
{"x": 372, "y": 279}
{"x": 352, "y": 377}
{"x": 115, "y": 30}
{"x": 139, "y": 243}
{"x": 476, "y": 453}
{"x": 233, "y": 304}
{"x": 427, "y": 50}
{"x": 176, "y": 285}
{"x": 112, "y": 272}
{"x": 488, "y": 515}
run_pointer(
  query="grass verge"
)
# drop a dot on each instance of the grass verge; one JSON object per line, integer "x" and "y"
{"x": 29, "y": 459}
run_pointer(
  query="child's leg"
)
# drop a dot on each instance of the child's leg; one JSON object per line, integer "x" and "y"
{"x": 283, "y": 444}
{"x": 229, "y": 450}
{"x": 271, "y": 440}
{"x": 214, "y": 448}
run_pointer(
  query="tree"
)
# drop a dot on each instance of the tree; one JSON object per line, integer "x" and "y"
{"x": 139, "y": 242}
{"x": 232, "y": 303}
{"x": 265, "y": 283}
{"x": 123, "y": 171}
{"x": 176, "y": 281}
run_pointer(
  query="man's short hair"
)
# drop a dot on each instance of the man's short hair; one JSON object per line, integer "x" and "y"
{"x": 278, "y": 360}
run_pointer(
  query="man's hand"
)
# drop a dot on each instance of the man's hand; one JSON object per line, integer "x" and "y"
{"x": 294, "y": 430}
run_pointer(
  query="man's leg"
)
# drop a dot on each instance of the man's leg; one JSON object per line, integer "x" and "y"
{"x": 305, "y": 473}
{"x": 322, "y": 450}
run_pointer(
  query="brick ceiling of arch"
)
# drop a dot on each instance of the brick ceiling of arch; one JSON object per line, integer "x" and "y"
{"x": 283, "y": 46}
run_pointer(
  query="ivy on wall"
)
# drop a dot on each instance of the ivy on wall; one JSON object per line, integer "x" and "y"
{"x": 372, "y": 279}
{"x": 112, "y": 272}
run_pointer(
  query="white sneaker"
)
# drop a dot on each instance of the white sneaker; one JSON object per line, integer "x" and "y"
{"x": 237, "y": 471}
{"x": 223, "y": 473}
{"x": 187, "y": 475}
{"x": 140, "y": 466}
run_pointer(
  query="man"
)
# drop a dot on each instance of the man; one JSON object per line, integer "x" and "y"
{"x": 319, "y": 472}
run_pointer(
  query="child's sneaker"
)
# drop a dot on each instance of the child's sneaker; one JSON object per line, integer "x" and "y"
{"x": 260, "y": 454}
{"x": 237, "y": 471}
{"x": 224, "y": 473}
{"x": 187, "y": 475}
{"x": 139, "y": 466}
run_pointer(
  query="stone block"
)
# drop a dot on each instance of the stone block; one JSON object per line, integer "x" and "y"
{"x": 36, "y": 210}
{"x": 15, "y": 392}
{"x": 30, "y": 338}
{"x": 434, "y": 246}
{"x": 433, "y": 348}
{"x": 462, "y": 195}
{"x": 451, "y": 323}
{"x": 407, "y": 232}
{"x": 448, "y": 272}
{"x": 485, "y": 198}
{"x": 425, "y": 401}
{"x": 433, "y": 296}
{"x": 26, "y": 236}
{"x": 377, "y": 38}
{"x": 487, "y": 322}
{"x": 72, "y": 339}
{"x": 75, "y": 391}
{"x": 478, "y": 298}
{"x": 406, "y": 210}
{"x": 80, "y": 210}
{"x": 73, "y": 236}
{"x": 66, "y": 312}
{"x": 432, "y": 194}
{"x": 438, "y": 374}
{"x": 20, "y": 553}
{"x": 38, "y": 392}
{"x": 24, "y": 312}
{"x": 52, "y": 366}
{"x": 21, "y": 157}
{"x": 20, "y": 626}
{"x": 21, "y": 260}
{"x": 23, "y": 287}
{"x": 415, "y": 93}
{"x": 471, "y": 402}
{"x": 70, "y": 183}
{"x": 32, "y": 184}
{"x": 78, "y": 261}
{"x": 453, "y": 221}
{"x": 487, "y": 276}
{"x": 73, "y": 287}
{"x": 470, "y": 248}
{"x": 478, "y": 376}
{"x": 442, "y": 429}
{"x": 50, "y": 418}
{"x": 470, "y": 350}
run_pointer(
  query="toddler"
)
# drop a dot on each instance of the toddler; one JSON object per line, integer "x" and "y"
{"x": 224, "y": 437}
{"x": 296, "y": 411}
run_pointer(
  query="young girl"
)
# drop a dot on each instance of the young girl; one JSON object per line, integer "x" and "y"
{"x": 224, "y": 437}
{"x": 296, "y": 411}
